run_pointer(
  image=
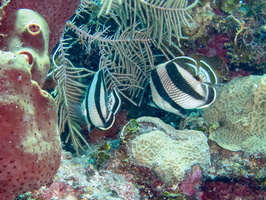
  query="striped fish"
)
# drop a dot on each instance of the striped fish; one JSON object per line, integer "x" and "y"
{"x": 99, "y": 106}
{"x": 182, "y": 84}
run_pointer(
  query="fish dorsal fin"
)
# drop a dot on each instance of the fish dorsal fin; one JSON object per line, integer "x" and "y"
{"x": 200, "y": 70}
{"x": 188, "y": 64}
{"x": 207, "y": 74}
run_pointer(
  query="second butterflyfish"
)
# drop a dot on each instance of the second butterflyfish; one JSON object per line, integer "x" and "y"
{"x": 100, "y": 106}
{"x": 182, "y": 83}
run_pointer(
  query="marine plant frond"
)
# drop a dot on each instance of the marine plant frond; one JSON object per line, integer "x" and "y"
{"x": 85, "y": 36}
{"x": 165, "y": 17}
{"x": 83, "y": 8}
{"x": 101, "y": 35}
{"x": 107, "y": 6}
{"x": 126, "y": 59}
{"x": 69, "y": 93}
{"x": 126, "y": 74}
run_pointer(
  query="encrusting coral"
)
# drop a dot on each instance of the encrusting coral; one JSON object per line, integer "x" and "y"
{"x": 240, "y": 110}
{"x": 30, "y": 143}
{"x": 170, "y": 153}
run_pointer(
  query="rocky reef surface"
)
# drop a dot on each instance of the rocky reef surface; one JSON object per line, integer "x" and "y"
{"x": 153, "y": 160}
{"x": 214, "y": 154}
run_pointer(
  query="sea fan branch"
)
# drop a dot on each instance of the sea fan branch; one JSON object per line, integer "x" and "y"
{"x": 69, "y": 93}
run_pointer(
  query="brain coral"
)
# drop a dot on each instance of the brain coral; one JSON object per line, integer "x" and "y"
{"x": 240, "y": 111}
{"x": 169, "y": 152}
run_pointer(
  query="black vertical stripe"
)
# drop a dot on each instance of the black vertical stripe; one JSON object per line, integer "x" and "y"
{"x": 161, "y": 91}
{"x": 87, "y": 103}
{"x": 99, "y": 92}
{"x": 117, "y": 101}
{"x": 180, "y": 82}
{"x": 107, "y": 123}
{"x": 211, "y": 94}
{"x": 98, "y": 95}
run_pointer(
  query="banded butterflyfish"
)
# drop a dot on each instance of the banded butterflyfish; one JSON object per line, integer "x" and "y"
{"x": 181, "y": 84}
{"x": 100, "y": 106}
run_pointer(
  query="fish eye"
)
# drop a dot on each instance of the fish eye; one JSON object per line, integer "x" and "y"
{"x": 199, "y": 78}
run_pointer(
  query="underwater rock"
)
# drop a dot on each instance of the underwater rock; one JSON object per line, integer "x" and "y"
{"x": 170, "y": 153}
{"x": 232, "y": 189}
{"x": 76, "y": 179}
{"x": 236, "y": 164}
{"x": 239, "y": 114}
{"x": 30, "y": 143}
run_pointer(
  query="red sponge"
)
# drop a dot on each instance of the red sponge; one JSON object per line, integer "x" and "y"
{"x": 55, "y": 12}
{"x": 29, "y": 141}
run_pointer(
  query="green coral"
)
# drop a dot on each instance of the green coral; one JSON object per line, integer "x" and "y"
{"x": 229, "y": 5}
{"x": 131, "y": 127}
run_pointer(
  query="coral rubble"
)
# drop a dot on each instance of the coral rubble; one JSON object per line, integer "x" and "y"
{"x": 76, "y": 179}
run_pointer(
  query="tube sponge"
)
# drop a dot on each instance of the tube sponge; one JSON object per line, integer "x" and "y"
{"x": 27, "y": 33}
{"x": 56, "y": 13}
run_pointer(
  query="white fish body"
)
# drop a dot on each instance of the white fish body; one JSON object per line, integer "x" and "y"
{"x": 99, "y": 107}
{"x": 175, "y": 87}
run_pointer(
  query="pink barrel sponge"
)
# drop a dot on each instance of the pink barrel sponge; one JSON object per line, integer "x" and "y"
{"x": 55, "y": 12}
{"x": 30, "y": 145}
{"x": 26, "y": 32}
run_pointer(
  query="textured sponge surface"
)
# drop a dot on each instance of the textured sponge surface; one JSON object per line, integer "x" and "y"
{"x": 30, "y": 144}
